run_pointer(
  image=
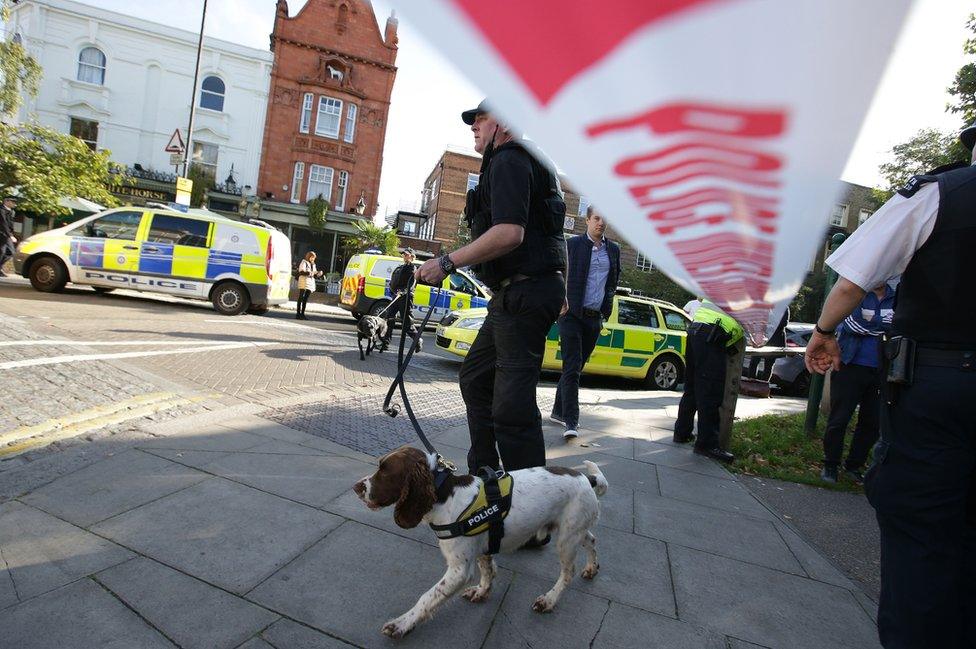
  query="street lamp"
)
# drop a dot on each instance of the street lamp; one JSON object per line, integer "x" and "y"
{"x": 193, "y": 97}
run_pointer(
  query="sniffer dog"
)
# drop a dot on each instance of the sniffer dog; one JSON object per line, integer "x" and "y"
{"x": 372, "y": 329}
{"x": 543, "y": 499}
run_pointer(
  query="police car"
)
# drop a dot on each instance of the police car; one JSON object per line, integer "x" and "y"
{"x": 644, "y": 339}
{"x": 365, "y": 289}
{"x": 192, "y": 254}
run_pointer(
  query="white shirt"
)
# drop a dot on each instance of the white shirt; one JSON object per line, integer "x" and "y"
{"x": 882, "y": 247}
{"x": 692, "y": 306}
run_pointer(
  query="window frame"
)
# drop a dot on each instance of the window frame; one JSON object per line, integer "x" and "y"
{"x": 85, "y": 229}
{"x": 681, "y": 316}
{"x": 861, "y": 218}
{"x": 643, "y": 263}
{"x": 352, "y": 112}
{"x": 338, "y": 117}
{"x": 195, "y": 160}
{"x": 305, "y": 118}
{"x": 101, "y": 68}
{"x": 342, "y": 185}
{"x": 584, "y": 203}
{"x": 644, "y": 305}
{"x": 222, "y": 95}
{"x": 313, "y": 169}
{"x": 92, "y": 144}
{"x": 845, "y": 212}
{"x": 298, "y": 175}
{"x": 205, "y": 243}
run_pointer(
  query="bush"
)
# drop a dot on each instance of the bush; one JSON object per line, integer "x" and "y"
{"x": 654, "y": 284}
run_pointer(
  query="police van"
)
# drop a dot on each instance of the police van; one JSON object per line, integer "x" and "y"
{"x": 192, "y": 254}
{"x": 366, "y": 289}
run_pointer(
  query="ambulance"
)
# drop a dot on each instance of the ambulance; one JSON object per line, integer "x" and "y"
{"x": 366, "y": 289}
{"x": 194, "y": 254}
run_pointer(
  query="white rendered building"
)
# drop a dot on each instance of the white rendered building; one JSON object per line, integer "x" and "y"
{"x": 124, "y": 84}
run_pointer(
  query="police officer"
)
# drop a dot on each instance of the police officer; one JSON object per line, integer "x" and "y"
{"x": 713, "y": 337}
{"x": 921, "y": 483}
{"x": 400, "y": 281}
{"x": 516, "y": 216}
{"x": 7, "y": 239}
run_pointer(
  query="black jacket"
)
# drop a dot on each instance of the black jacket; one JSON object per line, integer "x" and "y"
{"x": 579, "y": 248}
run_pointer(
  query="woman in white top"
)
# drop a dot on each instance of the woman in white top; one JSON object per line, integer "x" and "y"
{"x": 306, "y": 282}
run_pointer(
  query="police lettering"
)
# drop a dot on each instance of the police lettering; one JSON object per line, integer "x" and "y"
{"x": 482, "y": 515}
{"x": 143, "y": 281}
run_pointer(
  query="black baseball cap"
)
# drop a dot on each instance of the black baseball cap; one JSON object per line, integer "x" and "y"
{"x": 408, "y": 251}
{"x": 470, "y": 115}
{"x": 968, "y": 136}
{"x": 11, "y": 197}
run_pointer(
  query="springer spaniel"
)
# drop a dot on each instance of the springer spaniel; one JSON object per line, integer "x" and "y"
{"x": 543, "y": 499}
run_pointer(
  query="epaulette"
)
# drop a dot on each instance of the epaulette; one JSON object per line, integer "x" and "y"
{"x": 915, "y": 182}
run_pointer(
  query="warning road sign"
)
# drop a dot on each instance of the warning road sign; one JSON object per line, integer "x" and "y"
{"x": 176, "y": 144}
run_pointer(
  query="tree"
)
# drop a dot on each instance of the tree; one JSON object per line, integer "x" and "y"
{"x": 317, "y": 209}
{"x": 928, "y": 149}
{"x": 963, "y": 87}
{"x": 655, "y": 284}
{"x": 203, "y": 182}
{"x": 369, "y": 236}
{"x": 20, "y": 74}
{"x": 44, "y": 166}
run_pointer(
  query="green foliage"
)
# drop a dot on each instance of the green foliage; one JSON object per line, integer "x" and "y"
{"x": 963, "y": 87}
{"x": 926, "y": 150}
{"x": 654, "y": 284}
{"x": 805, "y": 307}
{"x": 203, "y": 182}
{"x": 776, "y": 446}
{"x": 20, "y": 74}
{"x": 317, "y": 210}
{"x": 44, "y": 165}
{"x": 369, "y": 235}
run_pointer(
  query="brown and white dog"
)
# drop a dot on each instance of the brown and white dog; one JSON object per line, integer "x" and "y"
{"x": 543, "y": 499}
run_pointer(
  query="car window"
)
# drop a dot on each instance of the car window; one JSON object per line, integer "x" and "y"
{"x": 178, "y": 230}
{"x": 384, "y": 267}
{"x": 632, "y": 312}
{"x": 461, "y": 283}
{"x": 117, "y": 225}
{"x": 675, "y": 320}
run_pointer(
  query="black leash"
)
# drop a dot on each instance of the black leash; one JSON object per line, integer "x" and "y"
{"x": 445, "y": 466}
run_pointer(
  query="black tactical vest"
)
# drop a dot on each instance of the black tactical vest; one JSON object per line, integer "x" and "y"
{"x": 936, "y": 301}
{"x": 543, "y": 247}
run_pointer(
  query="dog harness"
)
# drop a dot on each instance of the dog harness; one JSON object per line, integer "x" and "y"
{"x": 485, "y": 513}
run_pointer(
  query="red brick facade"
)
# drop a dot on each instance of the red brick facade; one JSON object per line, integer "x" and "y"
{"x": 328, "y": 104}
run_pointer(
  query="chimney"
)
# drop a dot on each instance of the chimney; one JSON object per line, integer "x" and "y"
{"x": 391, "y": 30}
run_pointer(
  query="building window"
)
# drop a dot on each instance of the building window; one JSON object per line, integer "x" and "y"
{"x": 91, "y": 66}
{"x": 583, "y": 204}
{"x": 351, "y": 110}
{"x": 643, "y": 263}
{"x": 838, "y": 216}
{"x": 86, "y": 131}
{"x": 409, "y": 228}
{"x": 863, "y": 216}
{"x": 569, "y": 223}
{"x": 327, "y": 124}
{"x": 212, "y": 93}
{"x": 306, "y": 112}
{"x": 340, "y": 203}
{"x": 473, "y": 181}
{"x": 320, "y": 182}
{"x": 205, "y": 157}
{"x": 296, "y": 182}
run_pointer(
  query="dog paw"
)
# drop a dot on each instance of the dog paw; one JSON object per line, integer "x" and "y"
{"x": 543, "y": 605}
{"x": 396, "y": 629}
{"x": 475, "y": 595}
{"x": 589, "y": 572}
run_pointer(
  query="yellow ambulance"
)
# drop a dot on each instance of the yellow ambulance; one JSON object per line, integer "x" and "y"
{"x": 192, "y": 254}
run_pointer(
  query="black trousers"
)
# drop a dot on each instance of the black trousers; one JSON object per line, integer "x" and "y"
{"x": 303, "y": 300}
{"x": 705, "y": 364}
{"x": 577, "y": 338}
{"x": 921, "y": 485}
{"x": 395, "y": 309}
{"x": 850, "y": 387}
{"x": 501, "y": 371}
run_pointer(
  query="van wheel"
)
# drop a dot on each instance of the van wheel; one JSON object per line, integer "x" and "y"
{"x": 258, "y": 310}
{"x": 230, "y": 298}
{"x": 102, "y": 290}
{"x": 48, "y": 275}
{"x": 378, "y": 307}
{"x": 665, "y": 373}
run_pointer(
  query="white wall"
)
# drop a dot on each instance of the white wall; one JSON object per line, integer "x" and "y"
{"x": 148, "y": 79}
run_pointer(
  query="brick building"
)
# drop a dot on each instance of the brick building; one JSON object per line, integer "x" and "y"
{"x": 328, "y": 104}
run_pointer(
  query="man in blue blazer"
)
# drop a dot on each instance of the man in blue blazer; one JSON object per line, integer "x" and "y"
{"x": 593, "y": 272}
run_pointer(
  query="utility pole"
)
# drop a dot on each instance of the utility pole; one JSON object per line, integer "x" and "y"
{"x": 193, "y": 96}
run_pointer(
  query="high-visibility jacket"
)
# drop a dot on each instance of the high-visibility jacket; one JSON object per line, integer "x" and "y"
{"x": 710, "y": 314}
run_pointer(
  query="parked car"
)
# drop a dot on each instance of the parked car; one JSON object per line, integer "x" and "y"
{"x": 789, "y": 372}
{"x": 644, "y": 339}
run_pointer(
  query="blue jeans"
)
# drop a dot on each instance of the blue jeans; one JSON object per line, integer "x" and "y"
{"x": 577, "y": 338}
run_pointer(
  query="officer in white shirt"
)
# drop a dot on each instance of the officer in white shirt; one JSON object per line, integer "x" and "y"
{"x": 922, "y": 483}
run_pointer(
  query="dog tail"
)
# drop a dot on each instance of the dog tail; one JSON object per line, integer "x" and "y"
{"x": 597, "y": 480}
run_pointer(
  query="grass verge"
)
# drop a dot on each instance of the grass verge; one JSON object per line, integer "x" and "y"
{"x": 775, "y": 446}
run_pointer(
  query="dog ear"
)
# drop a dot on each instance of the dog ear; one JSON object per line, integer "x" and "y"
{"x": 417, "y": 495}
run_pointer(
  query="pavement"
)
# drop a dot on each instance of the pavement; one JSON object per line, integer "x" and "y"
{"x": 228, "y": 520}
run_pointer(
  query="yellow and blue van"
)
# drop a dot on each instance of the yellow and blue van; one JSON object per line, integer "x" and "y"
{"x": 644, "y": 339}
{"x": 366, "y": 289}
{"x": 193, "y": 254}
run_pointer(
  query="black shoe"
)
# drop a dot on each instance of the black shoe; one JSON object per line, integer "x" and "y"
{"x": 829, "y": 474}
{"x": 716, "y": 454}
{"x": 856, "y": 476}
{"x": 536, "y": 542}
{"x": 683, "y": 439}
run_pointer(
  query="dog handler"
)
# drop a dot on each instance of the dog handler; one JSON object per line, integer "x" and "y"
{"x": 516, "y": 218}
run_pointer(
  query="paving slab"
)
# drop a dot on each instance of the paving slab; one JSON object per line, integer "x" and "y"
{"x": 318, "y": 589}
{"x": 194, "y": 459}
{"x": 713, "y": 530}
{"x": 766, "y": 606}
{"x": 633, "y": 570}
{"x": 625, "y": 626}
{"x": 225, "y": 533}
{"x": 571, "y": 625}
{"x": 256, "y": 643}
{"x": 190, "y": 612}
{"x": 620, "y": 472}
{"x": 713, "y": 492}
{"x": 77, "y": 616}
{"x": 735, "y": 643}
{"x": 678, "y": 457}
{"x": 279, "y": 447}
{"x": 348, "y": 505}
{"x": 112, "y": 486}
{"x": 43, "y": 552}
{"x": 285, "y": 634}
{"x": 8, "y": 594}
{"x": 590, "y": 441}
{"x": 310, "y": 479}
{"x": 207, "y": 438}
{"x": 814, "y": 563}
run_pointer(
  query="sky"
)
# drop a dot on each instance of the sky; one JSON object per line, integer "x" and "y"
{"x": 430, "y": 92}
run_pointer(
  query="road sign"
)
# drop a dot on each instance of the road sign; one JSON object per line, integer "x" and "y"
{"x": 176, "y": 159}
{"x": 176, "y": 144}
{"x": 184, "y": 186}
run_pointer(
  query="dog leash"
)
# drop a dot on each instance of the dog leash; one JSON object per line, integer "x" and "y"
{"x": 445, "y": 466}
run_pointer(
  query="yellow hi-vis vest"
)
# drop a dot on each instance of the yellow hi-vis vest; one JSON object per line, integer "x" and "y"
{"x": 477, "y": 516}
{"x": 708, "y": 313}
